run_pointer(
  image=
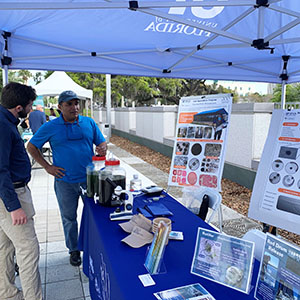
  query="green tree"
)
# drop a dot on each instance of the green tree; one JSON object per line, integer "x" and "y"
{"x": 292, "y": 93}
{"x": 24, "y": 75}
{"x": 12, "y": 77}
{"x": 38, "y": 77}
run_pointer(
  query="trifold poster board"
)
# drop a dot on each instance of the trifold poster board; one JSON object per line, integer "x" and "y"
{"x": 200, "y": 141}
{"x": 279, "y": 274}
{"x": 275, "y": 198}
{"x": 224, "y": 259}
{"x": 189, "y": 292}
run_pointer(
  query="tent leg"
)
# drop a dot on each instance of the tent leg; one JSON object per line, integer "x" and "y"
{"x": 5, "y": 75}
{"x": 283, "y": 94}
{"x": 108, "y": 104}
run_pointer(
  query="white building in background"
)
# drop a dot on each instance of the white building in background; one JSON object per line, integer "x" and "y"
{"x": 243, "y": 88}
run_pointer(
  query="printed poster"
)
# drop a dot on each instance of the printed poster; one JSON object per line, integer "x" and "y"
{"x": 275, "y": 198}
{"x": 200, "y": 141}
{"x": 279, "y": 274}
{"x": 224, "y": 259}
{"x": 189, "y": 292}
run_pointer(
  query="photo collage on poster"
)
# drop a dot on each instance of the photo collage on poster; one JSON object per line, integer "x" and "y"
{"x": 199, "y": 146}
{"x": 277, "y": 189}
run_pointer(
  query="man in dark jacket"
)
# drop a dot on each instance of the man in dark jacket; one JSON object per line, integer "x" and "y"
{"x": 17, "y": 233}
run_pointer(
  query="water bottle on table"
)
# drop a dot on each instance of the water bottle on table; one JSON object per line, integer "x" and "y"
{"x": 135, "y": 183}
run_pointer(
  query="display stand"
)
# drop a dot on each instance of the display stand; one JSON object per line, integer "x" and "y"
{"x": 154, "y": 258}
{"x": 200, "y": 144}
{"x": 224, "y": 259}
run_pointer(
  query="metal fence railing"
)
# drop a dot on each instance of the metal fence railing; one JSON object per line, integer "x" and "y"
{"x": 288, "y": 105}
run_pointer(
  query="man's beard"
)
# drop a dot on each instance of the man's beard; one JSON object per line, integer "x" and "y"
{"x": 22, "y": 113}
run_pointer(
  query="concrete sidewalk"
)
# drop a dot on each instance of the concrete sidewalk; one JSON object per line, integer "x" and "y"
{"x": 60, "y": 280}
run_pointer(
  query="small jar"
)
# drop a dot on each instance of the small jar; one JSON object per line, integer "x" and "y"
{"x": 116, "y": 174}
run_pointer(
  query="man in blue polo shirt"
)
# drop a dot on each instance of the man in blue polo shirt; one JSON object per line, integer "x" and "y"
{"x": 71, "y": 138}
{"x": 17, "y": 233}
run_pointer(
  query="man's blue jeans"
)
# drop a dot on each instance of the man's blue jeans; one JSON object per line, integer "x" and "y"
{"x": 67, "y": 195}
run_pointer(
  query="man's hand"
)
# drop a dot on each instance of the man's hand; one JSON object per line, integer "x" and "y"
{"x": 101, "y": 149}
{"x": 57, "y": 172}
{"x": 18, "y": 217}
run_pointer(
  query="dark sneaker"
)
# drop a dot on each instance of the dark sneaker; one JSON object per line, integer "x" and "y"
{"x": 75, "y": 259}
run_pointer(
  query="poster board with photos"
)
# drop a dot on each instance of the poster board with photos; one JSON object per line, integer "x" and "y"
{"x": 224, "y": 259}
{"x": 279, "y": 274}
{"x": 276, "y": 191}
{"x": 200, "y": 141}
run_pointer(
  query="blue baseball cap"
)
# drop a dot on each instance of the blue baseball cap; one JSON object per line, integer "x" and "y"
{"x": 67, "y": 96}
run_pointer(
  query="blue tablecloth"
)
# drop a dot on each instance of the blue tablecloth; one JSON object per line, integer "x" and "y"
{"x": 113, "y": 267}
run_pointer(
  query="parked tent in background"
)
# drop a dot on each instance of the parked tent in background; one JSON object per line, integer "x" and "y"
{"x": 58, "y": 82}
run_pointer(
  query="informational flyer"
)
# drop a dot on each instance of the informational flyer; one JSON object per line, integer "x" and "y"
{"x": 279, "y": 274}
{"x": 275, "y": 198}
{"x": 201, "y": 135}
{"x": 189, "y": 292}
{"x": 224, "y": 259}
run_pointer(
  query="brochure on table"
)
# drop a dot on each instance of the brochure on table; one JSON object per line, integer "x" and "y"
{"x": 223, "y": 259}
{"x": 279, "y": 274}
{"x": 276, "y": 191}
{"x": 189, "y": 292}
{"x": 201, "y": 135}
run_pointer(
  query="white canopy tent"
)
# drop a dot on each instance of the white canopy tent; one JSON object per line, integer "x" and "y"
{"x": 58, "y": 82}
{"x": 251, "y": 40}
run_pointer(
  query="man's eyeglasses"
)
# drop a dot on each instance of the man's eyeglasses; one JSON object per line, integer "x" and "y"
{"x": 74, "y": 131}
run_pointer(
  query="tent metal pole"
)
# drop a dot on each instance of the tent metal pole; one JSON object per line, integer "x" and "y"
{"x": 86, "y": 107}
{"x": 282, "y": 30}
{"x": 47, "y": 5}
{"x": 261, "y": 22}
{"x": 235, "y": 21}
{"x": 283, "y": 94}
{"x": 92, "y": 109}
{"x": 5, "y": 75}
{"x": 108, "y": 104}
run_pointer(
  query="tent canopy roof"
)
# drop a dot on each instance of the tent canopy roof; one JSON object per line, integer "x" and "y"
{"x": 58, "y": 82}
{"x": 250, "y": 40}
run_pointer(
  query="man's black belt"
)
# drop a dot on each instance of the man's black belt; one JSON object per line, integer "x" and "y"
{"x": 19, "y": 184}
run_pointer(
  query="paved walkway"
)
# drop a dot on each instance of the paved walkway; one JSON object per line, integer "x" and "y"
{"x": 61, "y": 281}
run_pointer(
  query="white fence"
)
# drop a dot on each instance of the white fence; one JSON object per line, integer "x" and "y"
{"x": 247, "y": 132}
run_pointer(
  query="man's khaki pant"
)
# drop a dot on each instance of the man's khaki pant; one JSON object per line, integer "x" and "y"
{"x": 19, "y": 240}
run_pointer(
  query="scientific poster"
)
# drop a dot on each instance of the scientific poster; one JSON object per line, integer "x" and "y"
{"x": 279, "y": 274}
{"x": 224, "y": 259}
{"x": 275, "y": 198}
{"x": 200, "y": 141}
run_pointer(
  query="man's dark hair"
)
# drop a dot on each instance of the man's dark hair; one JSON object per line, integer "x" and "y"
{"x": 14, "y": 94}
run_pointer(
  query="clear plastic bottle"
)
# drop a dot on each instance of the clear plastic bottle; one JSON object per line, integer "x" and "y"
{"x": 135, "y": 183}
{"x": 116, "y": 174}
{"x": 99, "y": 163}
{"x": 92, "y": 175}
{"x": 89, "y": 180}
